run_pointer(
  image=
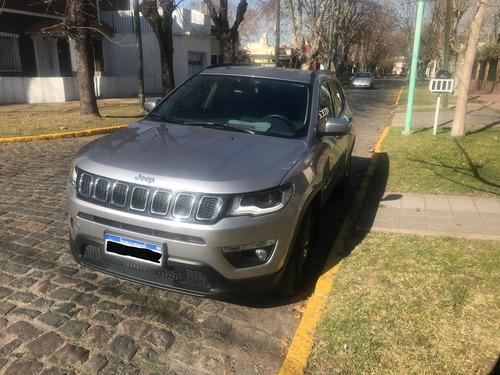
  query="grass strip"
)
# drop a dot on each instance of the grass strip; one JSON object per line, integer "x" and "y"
{"x": 56, "y": 118}
{"x": 424, "y": 163}
{"x": 422, "y": 96}
{"x": 404, "y": 304}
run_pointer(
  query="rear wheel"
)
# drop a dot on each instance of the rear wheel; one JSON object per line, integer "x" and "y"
{"x": 302, "y": 247}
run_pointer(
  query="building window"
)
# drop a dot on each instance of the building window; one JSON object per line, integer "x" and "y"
{"x": 10, "y": 59}
{"x": 195, "y": 62}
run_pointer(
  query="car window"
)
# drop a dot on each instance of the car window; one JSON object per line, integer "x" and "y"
{"x": 326, "y": 107}
{"x": 337, "y": 98}
{"x": 264, "y": 106}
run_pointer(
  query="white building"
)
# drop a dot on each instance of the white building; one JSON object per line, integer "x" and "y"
{"x": 192, "y": 50}
{"x": 53, "y": 77}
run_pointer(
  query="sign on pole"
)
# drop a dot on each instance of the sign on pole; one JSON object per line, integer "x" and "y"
{"x": 440, "y": 86}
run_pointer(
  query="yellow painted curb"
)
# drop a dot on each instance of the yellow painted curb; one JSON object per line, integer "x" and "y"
{"x": 399, "y": 95}
{"x": 83, "y": 133}
{"x": 382, "y": 137}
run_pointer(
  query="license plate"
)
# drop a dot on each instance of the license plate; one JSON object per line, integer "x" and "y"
{"x": 133, "y": 248}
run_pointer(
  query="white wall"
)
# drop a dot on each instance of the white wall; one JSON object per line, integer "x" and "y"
{"x": 183, "y": 46}
{"x": 15, "y": 90}
{"x": 121, "y": 59}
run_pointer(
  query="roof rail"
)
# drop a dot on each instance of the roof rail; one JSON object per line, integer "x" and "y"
{"x": 219, "y": 65}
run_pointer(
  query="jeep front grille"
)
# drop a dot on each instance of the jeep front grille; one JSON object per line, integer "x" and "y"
{"x": 161, "y": 202}
{"x": 208, "y": 208}
{"x": 119, "y": 197}
{"x": 147, "y": 200}
{"x": 139, "y": 199}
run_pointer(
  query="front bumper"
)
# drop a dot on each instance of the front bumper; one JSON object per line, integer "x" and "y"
{"x": 192, "y": 261}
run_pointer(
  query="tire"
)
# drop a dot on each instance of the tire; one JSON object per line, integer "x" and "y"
{"x": 342, "y": 184}
{"x": 295, "y": 270}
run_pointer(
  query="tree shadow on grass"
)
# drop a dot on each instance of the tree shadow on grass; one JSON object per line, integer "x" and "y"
{"x": 473, "y": 170}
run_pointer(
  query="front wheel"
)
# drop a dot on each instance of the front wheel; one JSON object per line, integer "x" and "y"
{"x": 301, "y": 250}
{"x": 342, "y": 184}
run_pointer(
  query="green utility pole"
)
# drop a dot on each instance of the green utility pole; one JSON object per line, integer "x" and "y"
{"x": 414, "y": 66}
{"x": 138, "y": 44}
{"x": 278, "y": 31}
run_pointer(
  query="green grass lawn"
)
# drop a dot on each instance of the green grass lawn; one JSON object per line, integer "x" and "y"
{"x": 423, "y": 97}
{"x": 407, "y": 304}
{"x": 424, "y": 163}
{"x": 404, "y": 304}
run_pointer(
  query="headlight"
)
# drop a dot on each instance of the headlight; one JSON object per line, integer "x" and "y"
{"x": 262, "y": 202}
{"x": 73, "y": 173}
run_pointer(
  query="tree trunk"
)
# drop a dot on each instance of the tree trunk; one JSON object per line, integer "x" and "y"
{"x": 77, "y": 27}
{"x": 227, "y": 36}
{"x": 162, "y": 28}
{"x": 458, "y": 128}
{"x": 227, "y": 49}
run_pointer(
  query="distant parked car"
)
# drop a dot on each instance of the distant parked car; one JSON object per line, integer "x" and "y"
{"x": 403, "y": 73}
{"x": 217, "y": 191}
{"x": 363, "y": 80}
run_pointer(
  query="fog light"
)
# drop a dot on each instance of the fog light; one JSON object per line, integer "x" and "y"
{"x": 249, "y": 255}
{"x": 262, "y": 254}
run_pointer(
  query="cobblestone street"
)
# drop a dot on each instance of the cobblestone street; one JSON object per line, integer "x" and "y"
{"x": 57, "y": 317}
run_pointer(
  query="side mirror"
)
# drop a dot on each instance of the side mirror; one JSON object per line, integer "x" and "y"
{"x": 150, "y": 104}
{"x": 336, "y": 125}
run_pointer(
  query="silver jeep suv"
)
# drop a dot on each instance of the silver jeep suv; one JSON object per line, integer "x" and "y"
{"x": 217, "y": 191}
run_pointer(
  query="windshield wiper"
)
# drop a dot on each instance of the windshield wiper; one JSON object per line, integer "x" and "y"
{"x": 218, "y": 124}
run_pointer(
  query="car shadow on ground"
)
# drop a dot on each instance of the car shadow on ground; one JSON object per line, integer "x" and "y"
{"x": 338, "y": 222}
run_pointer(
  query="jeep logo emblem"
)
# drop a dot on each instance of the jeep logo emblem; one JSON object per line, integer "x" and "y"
{"x": 142, "y": 178}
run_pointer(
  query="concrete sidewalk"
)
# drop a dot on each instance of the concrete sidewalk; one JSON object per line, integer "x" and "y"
{"x": 456, "y": 216}
{"x": 478, "y": 115}
{"x": 431, "y": 214}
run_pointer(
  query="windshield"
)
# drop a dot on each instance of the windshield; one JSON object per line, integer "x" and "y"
{"x": 363, "y": 75}
{"x": 263, "y": 106}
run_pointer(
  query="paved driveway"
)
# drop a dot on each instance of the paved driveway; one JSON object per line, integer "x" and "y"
{"x": 59, "y": 318}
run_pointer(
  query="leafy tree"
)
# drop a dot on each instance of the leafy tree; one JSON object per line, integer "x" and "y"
{"x": 226, "y": 35}
{"x": 162, "y": 28}
{"x": 489, "y": 52}
{"x": 77, "y": 26}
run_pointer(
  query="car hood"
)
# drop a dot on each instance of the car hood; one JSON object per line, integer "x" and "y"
{"x": 192, "y": 158}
